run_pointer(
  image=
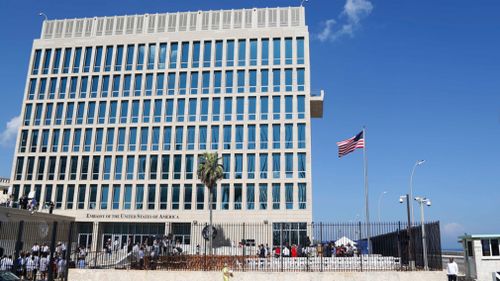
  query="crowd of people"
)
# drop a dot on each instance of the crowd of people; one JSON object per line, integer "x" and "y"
{"x": 35, "y": 264}
{"x": 26, "y": 203}
{"x": 325, "y": 250}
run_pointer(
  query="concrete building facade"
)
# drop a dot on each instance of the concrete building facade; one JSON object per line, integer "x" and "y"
{"x": 118, "y": 110}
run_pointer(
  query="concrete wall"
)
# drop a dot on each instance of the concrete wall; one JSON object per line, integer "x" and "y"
{"x": 125, "y": 275}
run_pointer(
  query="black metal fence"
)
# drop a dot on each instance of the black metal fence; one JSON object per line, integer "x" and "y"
{"x": 36, "y": 249}
{"x": 264, "y": 247}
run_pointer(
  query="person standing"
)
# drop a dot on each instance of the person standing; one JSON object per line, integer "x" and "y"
{"x": 452, "y": 270}
{"x": 226, "y": 273}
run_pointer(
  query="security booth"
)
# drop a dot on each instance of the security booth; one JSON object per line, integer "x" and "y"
{"x": 482, "y": 256}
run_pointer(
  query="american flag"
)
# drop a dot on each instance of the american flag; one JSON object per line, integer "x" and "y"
{"x": 349, "y": 145}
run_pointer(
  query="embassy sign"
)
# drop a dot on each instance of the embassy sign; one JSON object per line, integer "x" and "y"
{"x": 139, "y": 216}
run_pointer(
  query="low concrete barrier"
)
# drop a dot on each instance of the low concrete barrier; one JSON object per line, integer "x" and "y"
{"x": 152, "y": 275}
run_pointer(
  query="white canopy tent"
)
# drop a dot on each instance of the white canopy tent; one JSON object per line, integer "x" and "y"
{"x": 344, "y": 241}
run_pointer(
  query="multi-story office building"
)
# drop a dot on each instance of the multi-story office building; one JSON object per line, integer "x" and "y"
{"x": 117, "y": 111}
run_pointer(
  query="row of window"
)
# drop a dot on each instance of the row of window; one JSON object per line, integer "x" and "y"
{"x": 238, "y": 137}
{"x": 182, "y": 83}
{"x": 172, "y": 55}
{"x": 165, "y": 110}
{"x": 152, "y": 167}
{"x": 248, "y": 196}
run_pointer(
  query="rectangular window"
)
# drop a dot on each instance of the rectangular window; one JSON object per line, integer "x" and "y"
{"x": 300, "y": 79}
{"x": 127, "y": 197}
{"x": 46, "y": 61}
{"x": 151, "y": 196}
{"x": 227, "y": 137}
{"x": 70, "y": 196}
{"x": 137, "y": 85}
{"x": 205, "y": 87}
{"x": 188, "y": 195}
{"x": 175, "y": 196}
{"x": 195, "y": 62}
{"x": 276, "y": 80}
{"x": 237, "y": 196}
{"x": 90, "y": 112}
{"x": 217, "y": 81}
{"x": 52, "y": 88}
{"x": 276, "y": 196}
{"x": 165, "y": 167}
{"x": 67, "y": 60}
{"x": 289, "y": 196}
{"x": 140, "y": 57}
{"x": 32, "y": 89}
{"x": 226, "y": 163}
{"x": 36, "y": 62}
{"x": 177, "y": 166}
{"x": 146, "y": 111}
{"x": 289, "y": 165}
{"x": 127, "y": 81}
{"x": 276, "y": 107}
{"x": 108, "y": 58}
{"x": 218, "y": 53}
{"x": 264, "y": 80}
{"x": 190, "y": 138}
{"x": 104, "y": 196}
{"x": 288, "y": 80}
{"x": 250, "y": 196}
{"x": 169, "y": 110}
{"x": 149, "y": 85}
{"x": 118, "y": 167}
{"x": 230, "y": 53}
{"x": 180, "y": 110}
{"x": 229, "y": 81}
{"x": 301, "y": 135}
{"x": 288, "y": 51}
{"x": 56, "y": 62}
{"x": 215, "y": 109}
{"x": 202, "y": 138}
{"x": 276, "y": 51}
{"x": 182, "y": 83}
{"x": 241, "y": 81}
{"x": 300, "y": 50}
{"x": 262, "y": 196}
{"x": 130, "y": 57}
{"x": 76, "y": 60}
{"x": 105, "y": 86}
{"x": 167, "y": 138}
{"x": 288, "y": 135}
{"x": 130, "y": 167}
{"x": 107, "y": 168}
{"x": 263, "y": 165}
{"x": 42, "y": 88}
{"x": 141, "y": 167}
{"x": 82, "y": 191}
{"x": 93, "y": 197}
{"x": 151, "y": 56}
{"x": 87, "y": 59}
{"x": 207, "y": 51}
{"x": 276, "y": 135}
{"x": 110, "y": 139}
{"x": 264, "y": 136}
{"x": 162, "y": 56}
{"x": 163, "y": 196}
{"x": 225, "y": 197}
{"x": 98, "y": 59}
{"x": 194, "y": 83}
{"x": 189, "y": 166}
{"x": 119, "y": 58}
{"x": 302, "y": 165}
{"x": 173, "y": 56}
{"x": 160, "y": 77}
{"x": 265, "y": 52}
{"x": 238, "y": 166}
{"x": 276, "y": 165}
{"x": 112, "y": 112}
{"x": 139, "y": 197}
{"x": 241, "y": 52}
{"x": 115, "y": 203}
{"x": 200, "y": 197}
{"x": 184, "y": 54}
{"x": 253, "y": 51}
{"x": 215, "y": 137}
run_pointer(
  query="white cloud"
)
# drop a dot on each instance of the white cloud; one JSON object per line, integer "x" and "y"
{"x": 10, "y": 131}
{"x": 353, "y": 12}
{"x": 453, "y": 230}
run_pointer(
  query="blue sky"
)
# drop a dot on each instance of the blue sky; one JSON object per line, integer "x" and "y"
{"x": 423, "y": 76}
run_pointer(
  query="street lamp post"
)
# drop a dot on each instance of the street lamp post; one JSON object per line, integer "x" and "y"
{"x": 423, "y": 201}
{"x": 411, "y": 261}
{"x": 379, "y": 200}
{"x": 418, "y": 163}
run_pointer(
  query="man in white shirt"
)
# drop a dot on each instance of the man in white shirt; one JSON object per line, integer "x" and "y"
{"x": 452, "y": 270}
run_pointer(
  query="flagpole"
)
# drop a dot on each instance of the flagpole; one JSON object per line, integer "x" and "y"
{"x": 367, "y": 210}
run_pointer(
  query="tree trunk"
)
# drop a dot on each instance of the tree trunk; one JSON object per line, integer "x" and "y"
{"x": 210, "y": 234}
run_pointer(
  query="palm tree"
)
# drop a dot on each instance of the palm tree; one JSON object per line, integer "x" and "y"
{"x": 210, "y": 171}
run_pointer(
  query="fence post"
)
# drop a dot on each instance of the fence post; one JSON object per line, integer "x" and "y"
{"x": 205, "y": 256}
{"x": 68, "y": 250}
{"x": 321, "y": 243}
{"x": 244, "y": 246}
{"x": 281, "y": 245}
{"x": 360, "y": 252}
{"x": 399, "y": 246}
{"x": 52, "y": 252}
{"x": 19, "y": 244}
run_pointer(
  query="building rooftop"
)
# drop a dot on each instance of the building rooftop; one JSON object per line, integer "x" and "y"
{"x": 174, "y": 22}
{"x": 479, "y": 236}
